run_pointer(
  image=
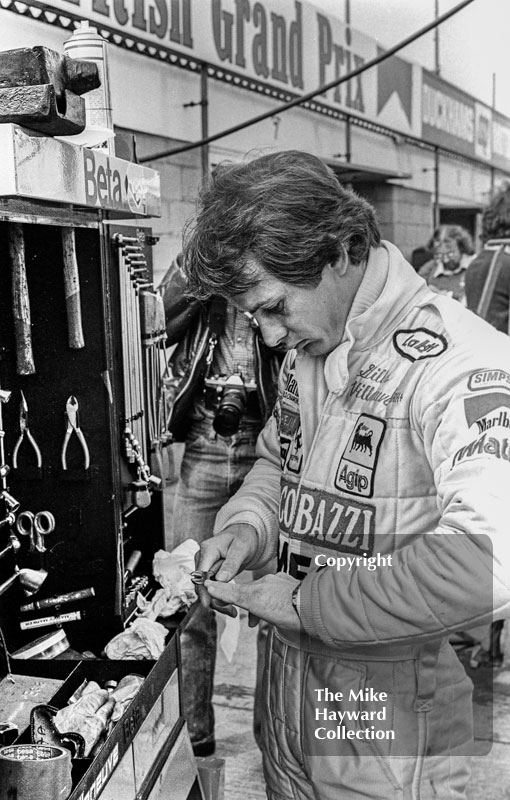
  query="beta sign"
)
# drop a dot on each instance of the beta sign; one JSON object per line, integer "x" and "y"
{"x": 116, "y": 184}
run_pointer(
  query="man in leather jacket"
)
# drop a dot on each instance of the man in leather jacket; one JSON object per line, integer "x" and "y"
{"x": 219, "y": 423}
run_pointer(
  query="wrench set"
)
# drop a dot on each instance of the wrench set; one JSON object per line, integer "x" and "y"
{"x": 143, "y": 355}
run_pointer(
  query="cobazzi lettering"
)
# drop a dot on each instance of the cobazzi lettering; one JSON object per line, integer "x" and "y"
{"x": 312, "y": 519}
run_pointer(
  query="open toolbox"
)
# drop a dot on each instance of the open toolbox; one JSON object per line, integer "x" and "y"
{"x": 147, "y": 755}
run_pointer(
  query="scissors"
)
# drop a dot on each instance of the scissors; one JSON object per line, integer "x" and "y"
{"x": 25, "y": 431}
{"x": 74, "y": 425}
{"x": 36, "y": 526}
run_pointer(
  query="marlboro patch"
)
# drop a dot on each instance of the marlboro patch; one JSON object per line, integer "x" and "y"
{"x": 487, "y": 410}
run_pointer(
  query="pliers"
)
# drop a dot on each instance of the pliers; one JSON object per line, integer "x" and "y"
{"x": 25, "y": 431}
{"x": 74, "y": 425}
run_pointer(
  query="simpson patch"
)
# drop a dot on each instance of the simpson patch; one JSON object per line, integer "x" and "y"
{"x": 490, "y": 379}
{"x": 419, "y": 343}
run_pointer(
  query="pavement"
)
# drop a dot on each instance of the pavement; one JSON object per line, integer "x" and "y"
{"x": 233, "y": 707}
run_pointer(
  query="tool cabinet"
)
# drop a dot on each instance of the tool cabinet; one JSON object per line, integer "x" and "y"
{"x": 109, "y": 506}
{"x": 93, "y": 538}
{"x": 58, "y": 202}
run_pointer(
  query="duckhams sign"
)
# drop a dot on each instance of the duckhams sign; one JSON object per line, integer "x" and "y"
{"x": 287, "y": 44}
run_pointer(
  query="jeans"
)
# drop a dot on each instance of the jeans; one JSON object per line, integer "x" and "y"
{"x": 212, "y": 470}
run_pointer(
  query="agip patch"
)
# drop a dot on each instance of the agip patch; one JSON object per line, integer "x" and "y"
{"x": 356, "y": 470}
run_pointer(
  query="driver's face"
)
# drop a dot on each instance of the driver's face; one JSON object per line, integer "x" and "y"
{"x": 311, "y": 319}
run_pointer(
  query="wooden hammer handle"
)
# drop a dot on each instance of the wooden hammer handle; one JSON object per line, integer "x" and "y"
{"x": 72, "y": 290}
{"x": 20, "y": 301}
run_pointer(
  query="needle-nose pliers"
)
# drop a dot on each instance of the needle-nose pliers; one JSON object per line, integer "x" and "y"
{"x": 25, "y": 431}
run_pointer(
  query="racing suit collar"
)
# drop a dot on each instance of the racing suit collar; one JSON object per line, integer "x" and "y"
{"x": 371, "y": 314}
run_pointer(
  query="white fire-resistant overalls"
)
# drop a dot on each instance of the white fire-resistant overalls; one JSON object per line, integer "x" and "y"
{"x": 396, "y": 443}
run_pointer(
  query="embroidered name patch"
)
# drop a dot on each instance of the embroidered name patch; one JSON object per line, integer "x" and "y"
{"x": 419, "y": 343}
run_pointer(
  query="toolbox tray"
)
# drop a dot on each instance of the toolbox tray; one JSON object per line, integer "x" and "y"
{"x": 91, "y": 775}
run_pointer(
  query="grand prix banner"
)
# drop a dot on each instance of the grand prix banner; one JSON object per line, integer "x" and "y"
{"x": 287, "y": 44}
{"x": 296, "y": 47}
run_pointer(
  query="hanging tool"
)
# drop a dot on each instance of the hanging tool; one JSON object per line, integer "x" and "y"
{"x": 74, "y": 425}
{"x": 31, "y": 580}
{"x": 20, "y": 301}
{"x": 4, "y": 469}
{"x": 11, "y": 503}
{"x": 132, "y": 564}
{"x": 25, "y": 431}
{"x": 132, "y": 264}
{"x": 14, "y": 545}
{"x": 11, "y": 506}
{"x": 9, "y": 520}
{"x": 72, "y": 290}
{"x": 140, "y": 495}
{"x": 36, "y": 526}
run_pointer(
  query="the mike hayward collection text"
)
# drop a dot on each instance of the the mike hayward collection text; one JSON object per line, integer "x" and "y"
{"x": 358, "y": 714}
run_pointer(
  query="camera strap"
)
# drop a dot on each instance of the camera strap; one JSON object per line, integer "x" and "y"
{"x": 216, "y": 321}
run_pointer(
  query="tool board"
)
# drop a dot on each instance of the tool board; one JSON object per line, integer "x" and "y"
{"x": 99, "y": 517}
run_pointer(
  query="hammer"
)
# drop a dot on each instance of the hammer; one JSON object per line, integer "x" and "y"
{"x": 72, "y": 290}
{"x": 20, "y": 301}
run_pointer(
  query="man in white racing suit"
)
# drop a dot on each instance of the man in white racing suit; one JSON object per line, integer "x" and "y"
{"x": 381, "y": 484}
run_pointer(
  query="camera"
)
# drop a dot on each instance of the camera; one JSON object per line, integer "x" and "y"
{"x": 231, "y": 401}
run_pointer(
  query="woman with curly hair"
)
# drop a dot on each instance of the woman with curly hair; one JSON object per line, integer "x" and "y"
{"x": 453, "y": 251}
